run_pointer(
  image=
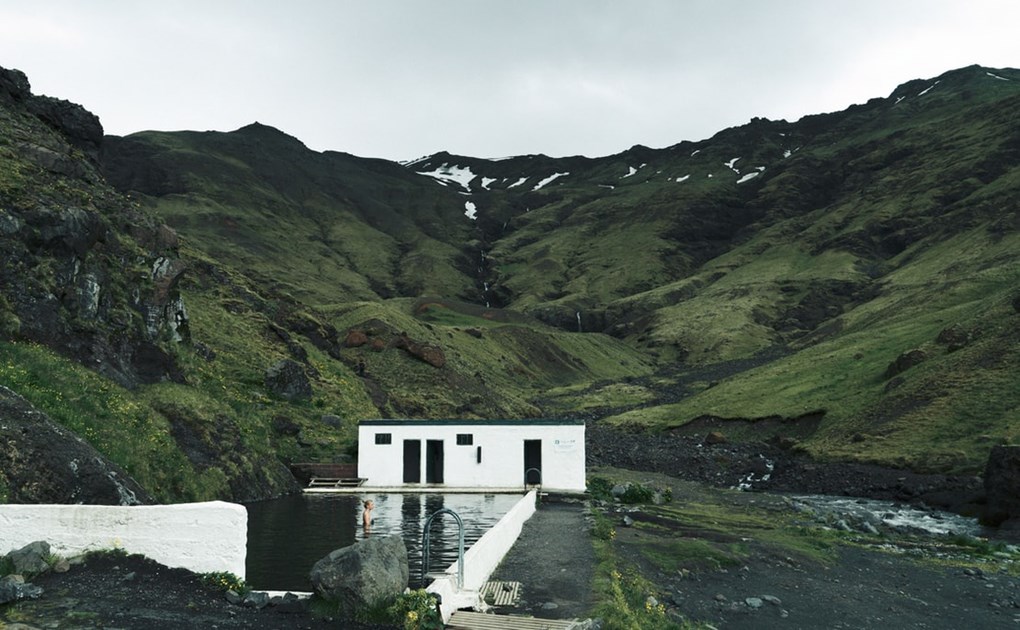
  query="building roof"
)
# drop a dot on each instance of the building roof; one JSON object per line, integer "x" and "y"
{"x": 468, "y": 422}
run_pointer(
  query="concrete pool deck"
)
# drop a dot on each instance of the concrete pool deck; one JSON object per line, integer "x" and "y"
{"x": 436, "y": 489}
{"x": 554, "y": 561}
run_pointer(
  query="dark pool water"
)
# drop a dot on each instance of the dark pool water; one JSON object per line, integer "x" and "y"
{"x": 287, "y": 536}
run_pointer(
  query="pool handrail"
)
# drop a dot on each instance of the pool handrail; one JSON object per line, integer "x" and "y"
{"x": 425, "y": 535}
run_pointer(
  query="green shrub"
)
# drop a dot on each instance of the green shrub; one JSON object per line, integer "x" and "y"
{"x": 637, "y": 493}
{"x": 600, "y": 488}
{"x": 416, "y": 610}
{"x": 603, "y": 528}
{"x": 225, "y": 581}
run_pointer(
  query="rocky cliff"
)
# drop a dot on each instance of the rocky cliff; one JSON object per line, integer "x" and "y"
{"x": 85, "y": 272}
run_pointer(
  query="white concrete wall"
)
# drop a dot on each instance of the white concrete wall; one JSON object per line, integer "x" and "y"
{"x": 482, "y": 559}
{"x": 203, "y": 537}
{"x": 502, "y": 465}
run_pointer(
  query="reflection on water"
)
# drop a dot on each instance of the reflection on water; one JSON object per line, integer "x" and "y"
{"x": 287, "y": 536}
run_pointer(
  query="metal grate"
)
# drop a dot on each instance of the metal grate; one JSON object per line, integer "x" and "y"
{"x": 498, "y": 593}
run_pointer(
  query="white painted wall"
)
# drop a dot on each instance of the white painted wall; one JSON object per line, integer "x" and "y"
{"x": 202, "y": 537}
{"x": 502, "y": 462}
{"x": 482, "y": 559}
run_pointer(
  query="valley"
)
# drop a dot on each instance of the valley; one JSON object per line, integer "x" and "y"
{"x": 837, "y": 295}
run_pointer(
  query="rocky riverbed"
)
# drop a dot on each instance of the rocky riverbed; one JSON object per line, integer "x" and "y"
{"x": 762, "y": 466}
{"x": 748, "y": 560}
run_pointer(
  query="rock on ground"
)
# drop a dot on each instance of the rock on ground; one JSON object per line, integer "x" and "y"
{"x": 363, "y": 574}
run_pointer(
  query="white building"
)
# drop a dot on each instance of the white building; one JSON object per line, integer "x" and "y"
{"x": 472, "y": 454}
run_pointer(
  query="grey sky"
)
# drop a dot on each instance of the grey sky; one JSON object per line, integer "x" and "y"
{"x": 401, "y": 79}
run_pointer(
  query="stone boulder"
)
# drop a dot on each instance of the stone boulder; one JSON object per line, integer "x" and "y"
{"x": 356, "y": 339}
{"x": 1002, "y": 485}
{"x": 715, "y": 437}
{"x": 14, "y": 587}
{"x": 363, "y": 574}
{"x": 30, "y": 559}
{"x": 287, "y": 379}
{"x": 904, "y": 362}
{"x": 954, "y": 338}
{"x": 433, "y": 355}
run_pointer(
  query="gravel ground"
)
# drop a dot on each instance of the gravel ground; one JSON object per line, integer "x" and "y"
{"x": 554, "y": 561}
{"x": 135, "y": 593}
{"x": 899, "y": 583}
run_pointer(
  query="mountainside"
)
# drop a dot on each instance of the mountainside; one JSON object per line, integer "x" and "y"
{"x": 847, "y": 281}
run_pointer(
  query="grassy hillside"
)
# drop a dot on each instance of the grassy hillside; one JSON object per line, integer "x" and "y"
{"x": 848, "y": 279}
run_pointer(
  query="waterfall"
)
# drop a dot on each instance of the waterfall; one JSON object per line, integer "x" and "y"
{"x": 579, "y": 322}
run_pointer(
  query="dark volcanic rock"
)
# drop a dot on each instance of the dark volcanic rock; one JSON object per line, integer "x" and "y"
{"x": 904, "y": 362}
{"x": 954, "y": 337}
{"x": 30, "y": 559}
{"x": 13, "y": 589}
{"x": 287, "y": 379}
{"x": 358, "y": 576}
{"x": 1002, "y": 485}
{"x": 41, "y": 462}
{"x": 79, "y": 125}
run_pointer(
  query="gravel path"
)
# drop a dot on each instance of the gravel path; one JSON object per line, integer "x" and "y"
{"x": 554, "y": 561}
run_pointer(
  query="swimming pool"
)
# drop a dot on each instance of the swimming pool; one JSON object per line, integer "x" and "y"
{"x": 287, "y": 536}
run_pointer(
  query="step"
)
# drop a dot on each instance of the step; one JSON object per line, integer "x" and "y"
{"x": 334, "y": 482}
{"x": 466, "y": 620}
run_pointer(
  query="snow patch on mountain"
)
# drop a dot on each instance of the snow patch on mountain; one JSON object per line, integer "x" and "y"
{"x": 549, "y": 180}
{"x": 731, "y": 165}
{"x": 447, "y": 174}
{"x": 486, "y": 181}
{"x": 518, "y": 182}
{"x": 748, "y": 177}
{"x": 470, "y": 210}
{"x": 928, "y": 89}
{"x": 631, "y": 171}
{"x": 995, "y": 76}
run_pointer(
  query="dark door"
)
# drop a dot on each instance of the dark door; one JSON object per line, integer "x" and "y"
{"x": 412, "y": 461}
{"x": 532, "y": 461}
{"x": 434, "y": 461}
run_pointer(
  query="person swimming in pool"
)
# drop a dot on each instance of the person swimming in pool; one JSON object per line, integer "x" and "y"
{"x": 366, "y": 516}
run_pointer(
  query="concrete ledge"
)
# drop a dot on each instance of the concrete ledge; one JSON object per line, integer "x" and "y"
{"x": 482, "y": 559}
{"x": 202, "y": 537}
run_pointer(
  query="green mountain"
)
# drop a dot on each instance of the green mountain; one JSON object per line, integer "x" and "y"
{"x": 848, "y": 280}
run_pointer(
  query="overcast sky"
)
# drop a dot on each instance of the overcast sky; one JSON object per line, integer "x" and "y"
{"x": 400, "y": 79}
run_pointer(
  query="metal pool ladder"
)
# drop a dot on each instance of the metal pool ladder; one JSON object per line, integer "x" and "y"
{"x": 425, "y": 534}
